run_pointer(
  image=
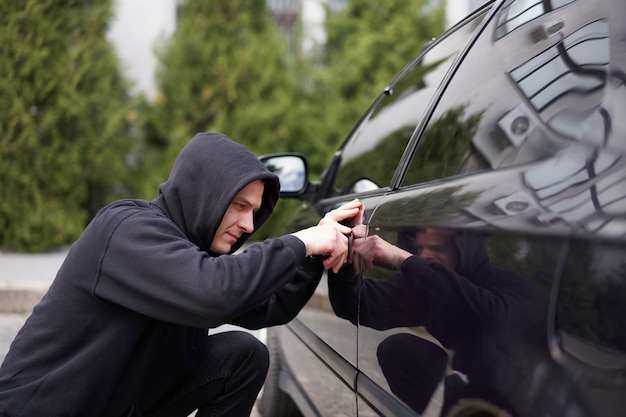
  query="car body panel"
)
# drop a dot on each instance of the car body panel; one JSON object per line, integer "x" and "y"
{"x": 507, "y": 135}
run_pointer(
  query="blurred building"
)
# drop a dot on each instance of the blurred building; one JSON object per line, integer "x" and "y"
{"x": 290, "y": 15}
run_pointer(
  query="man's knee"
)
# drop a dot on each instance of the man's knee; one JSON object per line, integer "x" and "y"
{"x": 402, "y": 350}
{"x": 250, "y": 352}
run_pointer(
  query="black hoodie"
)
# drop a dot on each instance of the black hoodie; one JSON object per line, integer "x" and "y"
{"x": 139, "y": 286}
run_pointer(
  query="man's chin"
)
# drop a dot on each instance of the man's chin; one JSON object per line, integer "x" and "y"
{"x": 222, "y": 249}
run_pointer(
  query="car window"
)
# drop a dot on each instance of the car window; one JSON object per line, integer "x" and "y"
{"x": 536, "y": 91}
{"x": 371, "y": 155}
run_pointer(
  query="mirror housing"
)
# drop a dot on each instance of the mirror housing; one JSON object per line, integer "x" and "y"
{"x": 293, "y": 171}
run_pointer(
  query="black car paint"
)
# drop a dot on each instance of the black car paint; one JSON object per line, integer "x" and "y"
{"x": 551, "y": 212}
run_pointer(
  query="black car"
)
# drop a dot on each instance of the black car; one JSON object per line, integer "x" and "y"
{"x": 506, "y": 138}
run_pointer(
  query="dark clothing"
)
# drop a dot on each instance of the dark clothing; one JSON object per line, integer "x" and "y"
{"x": 402, "y": 356}
{"x": 225, "y": 381}
{"x": 125, "y": 321}
{"x": 481, "y": 313}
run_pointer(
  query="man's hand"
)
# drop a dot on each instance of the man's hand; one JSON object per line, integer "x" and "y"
{"x": 369, "y": 249}
{"x": 329, "y": 238}
{"x": 325, "y": 241}
{"x": 350, "y": 214}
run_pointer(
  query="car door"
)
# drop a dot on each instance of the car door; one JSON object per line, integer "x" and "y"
{"x": 363, "y": 168}
{"x": 505, "y": 169}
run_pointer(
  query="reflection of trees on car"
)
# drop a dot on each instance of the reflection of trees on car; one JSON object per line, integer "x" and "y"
{"x": 388, "y": 127}
{"x": 578, "y": 293}
{"x": 527, "y": 257}
{"x": 442, "y": 150}
{"x": 592, "y": 300}
{"x": 430, "y": 207}
{"x": 611, "y": 302}
{"x": 373, "y": 163}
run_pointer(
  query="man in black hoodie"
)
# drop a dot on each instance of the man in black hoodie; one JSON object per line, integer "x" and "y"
{"x": 123, "y": 329}
{"x": 446, "y": 283}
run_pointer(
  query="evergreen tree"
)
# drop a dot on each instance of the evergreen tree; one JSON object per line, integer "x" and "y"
{"x": 63, "y": 125}
{"x": 225, "y": 69}
{"x": 369, "y": 42}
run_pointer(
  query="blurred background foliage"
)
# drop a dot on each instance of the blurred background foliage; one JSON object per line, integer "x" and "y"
{"x": 74, "y": 138}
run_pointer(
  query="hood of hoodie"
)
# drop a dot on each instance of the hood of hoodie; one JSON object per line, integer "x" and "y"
{"x": 473, "y": 260}
{"x": 207, "y": 174}
{"x": 471, "y": 249}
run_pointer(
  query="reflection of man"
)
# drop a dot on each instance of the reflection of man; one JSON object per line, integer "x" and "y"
{"x": 481, "y": 313}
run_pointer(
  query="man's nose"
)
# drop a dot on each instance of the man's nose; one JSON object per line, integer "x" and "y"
{"x": 427, "y": 254}
{"x": 246, "y": 222}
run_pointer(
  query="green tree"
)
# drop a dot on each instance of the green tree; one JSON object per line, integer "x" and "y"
{"x": 369, "y": 42}
{"x": 225, "y": 69}
{"x": 63, "y": 125}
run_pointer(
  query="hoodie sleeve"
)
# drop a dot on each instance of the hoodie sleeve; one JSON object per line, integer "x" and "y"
{"x": 150, "y": 267}
{"x": 457, "y": 302}
{"x": 379, "y": 304}
{"x": 283, "y": 305}
{"x": 426, "y": 293}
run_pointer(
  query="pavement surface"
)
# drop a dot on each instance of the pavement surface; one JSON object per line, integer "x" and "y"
{"x": 24, "y": 279}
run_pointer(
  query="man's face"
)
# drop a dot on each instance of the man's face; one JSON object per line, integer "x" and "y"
{"x": 437, "y": 245}
{"x": 239, "y": 217}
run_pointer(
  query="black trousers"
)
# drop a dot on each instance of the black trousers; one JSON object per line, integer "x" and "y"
{"x": 413, "y": 368}
{"x": 225, "y": 383}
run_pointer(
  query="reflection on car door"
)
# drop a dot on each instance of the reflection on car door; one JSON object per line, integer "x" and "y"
{"x": 458, "y": 328}
{"x": 502, "y": 176}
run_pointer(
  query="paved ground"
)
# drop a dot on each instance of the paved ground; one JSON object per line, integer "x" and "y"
{"x": 23, "y": 281}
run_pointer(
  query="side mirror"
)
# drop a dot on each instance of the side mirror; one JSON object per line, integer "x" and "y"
{"x": 292, "y": 170}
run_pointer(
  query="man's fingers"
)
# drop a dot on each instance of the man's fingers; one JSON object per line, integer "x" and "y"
{"x": 359, "y": 231}
{"x": 339, "y": 215}
{"x": 327, "y": 241}
{"x": 338, "y": 254}
{"x": 346, "y": 211}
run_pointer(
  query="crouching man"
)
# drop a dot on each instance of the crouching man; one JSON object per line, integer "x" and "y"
{"x": 123, "y": 329}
